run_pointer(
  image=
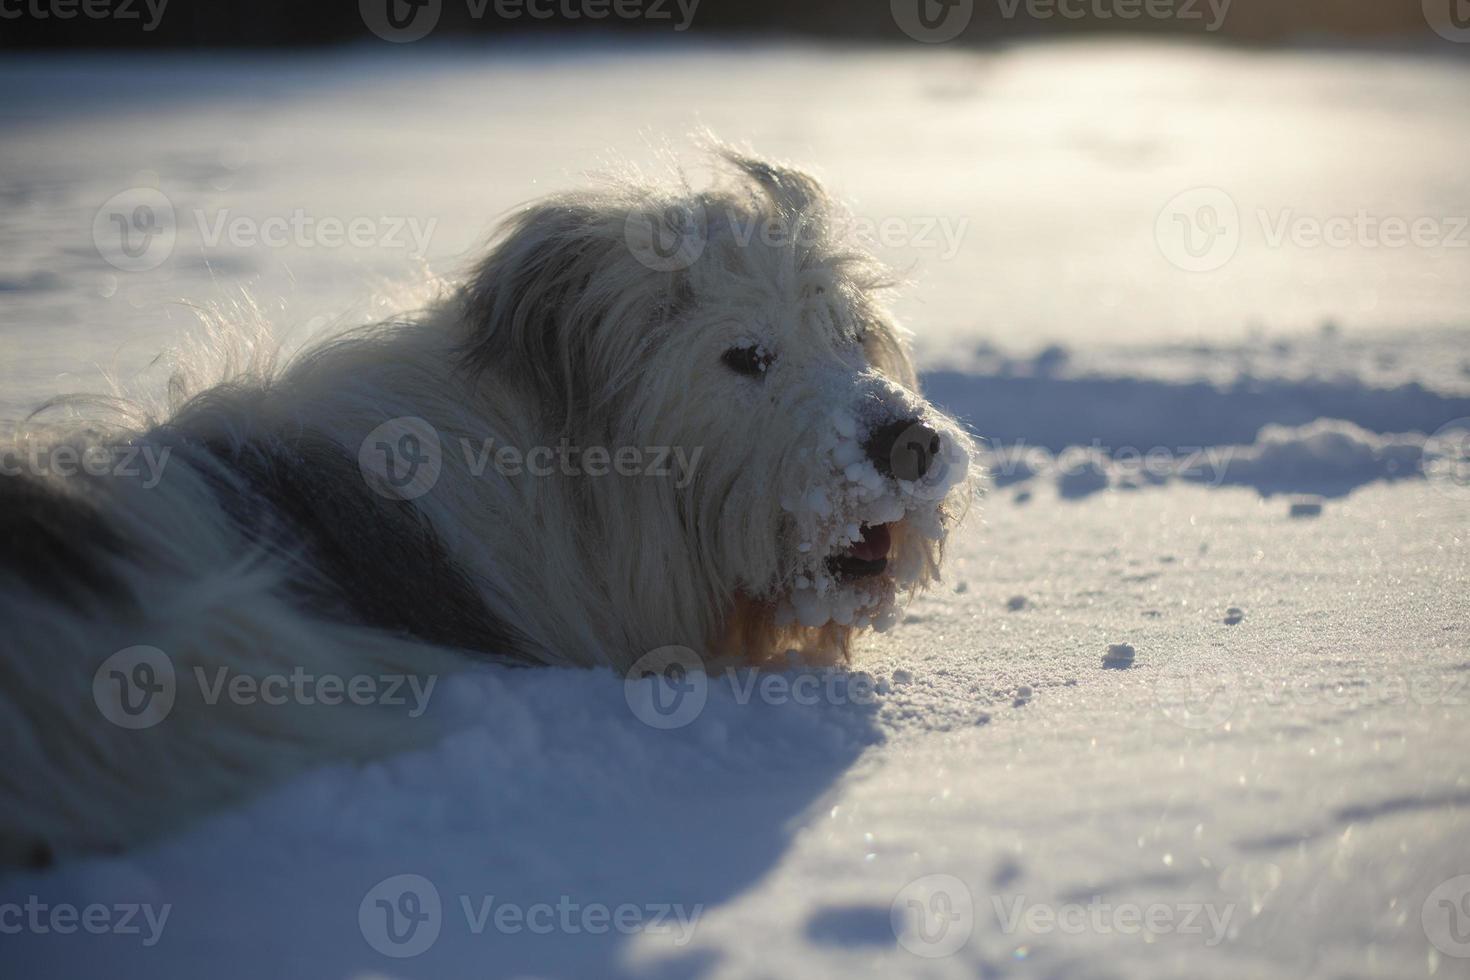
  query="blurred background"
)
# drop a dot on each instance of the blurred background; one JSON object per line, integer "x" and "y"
{"x": 1160, "y": 189}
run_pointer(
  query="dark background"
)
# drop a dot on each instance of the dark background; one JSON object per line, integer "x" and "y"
{"x": 260, "y": 23}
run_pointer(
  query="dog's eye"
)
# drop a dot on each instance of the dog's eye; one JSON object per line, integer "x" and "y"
{"x": 749, "y": 361}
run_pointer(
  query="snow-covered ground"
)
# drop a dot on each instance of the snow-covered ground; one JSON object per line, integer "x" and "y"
{"x": 1272, "y": 783}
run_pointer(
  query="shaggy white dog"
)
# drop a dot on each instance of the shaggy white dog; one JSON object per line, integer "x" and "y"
{"x": 648, "y": 418}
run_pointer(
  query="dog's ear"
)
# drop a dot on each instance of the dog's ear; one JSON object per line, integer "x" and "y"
{"x": 795, "y": 195}
{"x": 561, "y": 304}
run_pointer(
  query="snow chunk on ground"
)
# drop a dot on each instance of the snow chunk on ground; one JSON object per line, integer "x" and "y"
{"x": 1119, "y": 656}
{"x": 1327, "y": 458}
{"x": 1329, "y": 455}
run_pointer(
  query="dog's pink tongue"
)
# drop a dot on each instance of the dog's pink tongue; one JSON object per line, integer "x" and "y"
{"x": 874, "y": 543}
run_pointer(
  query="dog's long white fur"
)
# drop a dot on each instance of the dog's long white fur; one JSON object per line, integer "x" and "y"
{"x": 564, "y": 332}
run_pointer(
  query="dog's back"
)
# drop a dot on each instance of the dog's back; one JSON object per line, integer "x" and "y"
{"x": 133, "y": 595}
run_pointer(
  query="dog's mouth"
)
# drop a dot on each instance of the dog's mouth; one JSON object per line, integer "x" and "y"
{"x": 865, "y": 558}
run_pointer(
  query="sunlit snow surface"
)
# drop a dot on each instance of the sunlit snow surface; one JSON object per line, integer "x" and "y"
{"x": 1299, "y": 773}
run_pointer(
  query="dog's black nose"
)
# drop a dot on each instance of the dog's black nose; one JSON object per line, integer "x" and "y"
{"x": 903, "y": 449}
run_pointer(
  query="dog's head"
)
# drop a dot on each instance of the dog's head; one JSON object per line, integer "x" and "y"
{"x": 739, "y": 326}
